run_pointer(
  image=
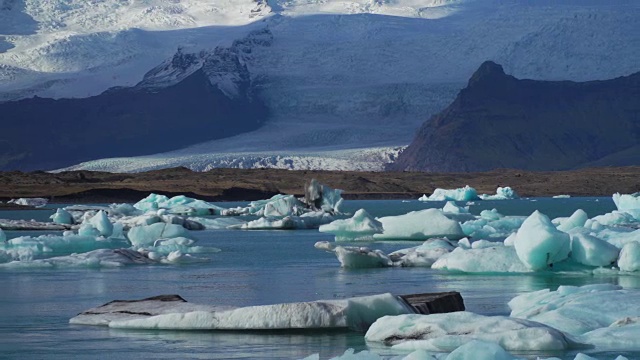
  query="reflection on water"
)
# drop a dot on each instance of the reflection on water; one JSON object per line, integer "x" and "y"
{"x": 254, "y": 267}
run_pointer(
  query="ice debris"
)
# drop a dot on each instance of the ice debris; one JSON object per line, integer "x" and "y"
{"x": 630, "y": 257}
{"x": 181, "y": 205}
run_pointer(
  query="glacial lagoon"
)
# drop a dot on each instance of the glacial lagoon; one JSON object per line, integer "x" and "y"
{"x": 255, "y": 268}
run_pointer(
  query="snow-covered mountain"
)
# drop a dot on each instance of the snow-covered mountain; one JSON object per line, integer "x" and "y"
{"x": 347, "y": 83}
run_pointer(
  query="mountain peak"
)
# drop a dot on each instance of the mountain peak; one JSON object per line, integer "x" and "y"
{"x": 488, "y": 71}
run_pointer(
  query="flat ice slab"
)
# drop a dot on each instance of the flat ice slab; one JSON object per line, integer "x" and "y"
{"x": 171, "y": 312}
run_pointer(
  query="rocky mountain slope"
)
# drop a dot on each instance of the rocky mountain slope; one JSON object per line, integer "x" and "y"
{"x": 499, "y": 121}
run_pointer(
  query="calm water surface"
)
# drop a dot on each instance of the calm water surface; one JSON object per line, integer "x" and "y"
{"x": 254, "y": 267}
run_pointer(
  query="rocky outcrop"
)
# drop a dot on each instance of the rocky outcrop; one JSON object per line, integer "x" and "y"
{"x": 188, "y": 99}
{"x": 499, "y": 121}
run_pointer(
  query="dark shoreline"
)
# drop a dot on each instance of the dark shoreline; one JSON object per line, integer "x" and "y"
{"x": 255, "y": 184}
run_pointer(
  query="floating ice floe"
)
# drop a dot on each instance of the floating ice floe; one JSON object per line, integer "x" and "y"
{"x": 361, "y": 226}
{"x": 35, "y": 202}
{"x": 31, "y": 225}
{"x": 496, "y": 258}
{"x": 446, "y": 332}
{"x": 502, "y": 193}
{"x": 419, "y": 225}
{"x": 451, "y": 207}
{"x": 356, "y": 257}
{"x": 354, "y": 313}
{"x": 585, "y": 312}
{"x": 466, "y": 193}
{"x": 562, "y": 196}
{"x": 424, "y": 255}
{"x": 472, "y": 350}
{"x": 363, "y": 257}
{"x": 92, "y": 259}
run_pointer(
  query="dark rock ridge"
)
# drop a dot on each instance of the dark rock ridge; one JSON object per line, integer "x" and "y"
{"x": 188, "y": 99}
{"x": 499, "y": 121}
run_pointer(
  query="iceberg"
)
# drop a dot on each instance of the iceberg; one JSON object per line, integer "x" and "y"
{"x": 322, "y": 197}
{"x": 356, "y": 257}
{"x": 492, "y": 225}
{"x": 539, "y": 244}
{"x": 142, "y": 236}
{"x": 31, "y": 225}
{"x": 101, "y": 222}
{"x": 502, "y": 193}
{"x": 577, "y": 219}
{"x": 354, "y": 313}
{"x": 577, "y": 310}
{"x": 3, "y": 236}
{"x": 446, "y": 332}
{"x": 466, "y": 193}
{"x": 490, "y": 259}
{"x": 181, "y": 205}
{"x": 630, "y": 257}
{"x": 424, "y": 255}
{"x": 592, "y": 251}
{"x": 92, "y": 259}
{"x": 419, "y": 225}
{"x": 62, "y": 217}
{"x": 629, "y": 203}
{"x": 451, "y": 207}
{"x": 26, "y": 248}
{"x": 361, "y": 226}
{"x": 35, "y": 202}
{"x": 562, "y": 196}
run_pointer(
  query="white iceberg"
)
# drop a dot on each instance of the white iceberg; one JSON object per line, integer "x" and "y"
{"x": 630, "y": 257}
{"x": 26, "y": 248}
{"x": 589, "y": 250}
{"x": 356, "y": 257}
{"x": 92, "y": 259}
{"x": 466, "y": 193}
{"x": 62, "y": 217}
{"x": 424, "y": 255}
{"x": 35, "y": 202}
{"x": 629, "y": 203}
{"x": 354, "y": 313}
{"x": 181, "y": 204}
{"x": 146, "y": 235}
{"x": 446, "y": 332}
{"x": 419, "y": 225}
{"x": 577, "y": 219}
{"x": 502, "y": 193}
{"x": 539, "y": 244}
{"x": 578, "y": 310}
{"x": 451, "y": 207}
{"x": 361, "y": 226}
{"x": 485, "y": 227}
{"x": 489, "y": 259}
{"x": 561, "y": 196}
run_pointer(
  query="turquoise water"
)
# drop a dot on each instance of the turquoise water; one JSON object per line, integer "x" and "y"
{"x": 254, "y": 267}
